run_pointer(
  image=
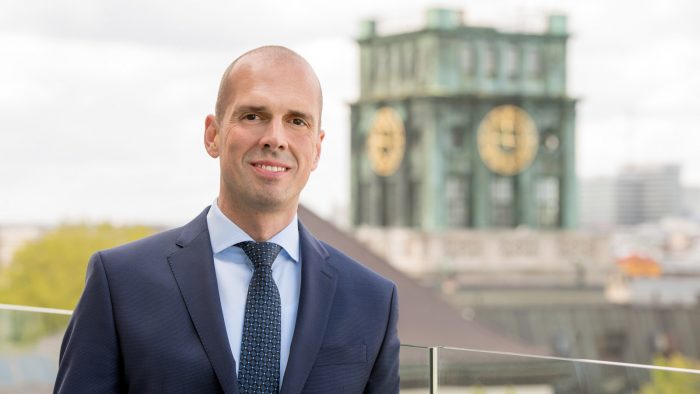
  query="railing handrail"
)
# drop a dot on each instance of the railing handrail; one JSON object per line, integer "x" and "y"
{"x": 37, "y": 309}
{"x": 554, "y": 358}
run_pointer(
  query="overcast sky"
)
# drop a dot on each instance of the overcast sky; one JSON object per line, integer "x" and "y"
{"x": 102, "y": 103}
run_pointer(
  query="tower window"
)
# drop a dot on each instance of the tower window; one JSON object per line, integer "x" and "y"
{"x": 511, "y": 61}
{"x": 408, "y": 60}
{"x": 414, "y": 196}
{"x": 456, "y": 196}
{"x": 547, "y": 200}
{"x": 466, "y": 58}
{"x": 490, "y": 62}
{"x": 457, "y": 139}
{"x": 502, "y": 202}
{"x": 533, "y": 63}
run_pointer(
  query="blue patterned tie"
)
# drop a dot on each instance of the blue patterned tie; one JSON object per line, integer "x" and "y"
{"x": 259, "y": 369}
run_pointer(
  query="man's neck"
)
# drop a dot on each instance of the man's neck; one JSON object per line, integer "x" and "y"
{"x": 261, "y": 226}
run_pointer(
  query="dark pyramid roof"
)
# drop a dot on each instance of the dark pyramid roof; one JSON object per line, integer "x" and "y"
{"x": 424, "y": 318}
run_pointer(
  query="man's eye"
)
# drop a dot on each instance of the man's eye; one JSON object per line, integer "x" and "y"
{"x": 251, "y": 117}
{"x": 299, "y": 122}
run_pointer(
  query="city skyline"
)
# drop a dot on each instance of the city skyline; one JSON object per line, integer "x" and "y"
{"x": 103, "y": 106}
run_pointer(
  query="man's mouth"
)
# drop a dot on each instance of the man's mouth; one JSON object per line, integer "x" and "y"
{"x": 271, "y": 168}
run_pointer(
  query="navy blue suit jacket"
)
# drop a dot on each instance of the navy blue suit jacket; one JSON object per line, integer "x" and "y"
{"x": 150, "y": 321}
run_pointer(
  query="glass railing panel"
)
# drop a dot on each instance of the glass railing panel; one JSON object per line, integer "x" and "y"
{"x": 30, "y": 339}
{"x": 470, "y": 371}
{"x": 463, "y": 371}
{"x": 414, "y": 369}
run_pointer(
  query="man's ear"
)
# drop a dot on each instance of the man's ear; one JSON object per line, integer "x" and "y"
{"x": 211, "y": 136}
{"x": 321, "y": 135}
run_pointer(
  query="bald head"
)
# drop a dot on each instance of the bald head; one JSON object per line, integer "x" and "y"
{"x": 267, "y": 57}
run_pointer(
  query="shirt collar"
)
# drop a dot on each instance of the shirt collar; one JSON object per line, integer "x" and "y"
{"x": 224, "y": 233}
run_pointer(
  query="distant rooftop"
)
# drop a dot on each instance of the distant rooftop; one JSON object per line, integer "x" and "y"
{"x": 424, "y": 318}
{"x": 450, "y": 19}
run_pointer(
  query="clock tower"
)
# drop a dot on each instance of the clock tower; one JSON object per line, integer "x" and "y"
{"x": 461, "y": 126}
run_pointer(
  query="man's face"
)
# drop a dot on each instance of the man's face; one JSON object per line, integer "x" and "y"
{"x": 268, "y": 138}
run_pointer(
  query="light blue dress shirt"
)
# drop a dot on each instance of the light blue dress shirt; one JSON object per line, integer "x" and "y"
{"x": 234, "y": 271}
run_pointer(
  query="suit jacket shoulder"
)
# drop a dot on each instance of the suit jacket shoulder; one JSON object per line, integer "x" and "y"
{"x": 351, "y": 269}
{"x": 155, "y": 247}
{"x": 149, "y": 320}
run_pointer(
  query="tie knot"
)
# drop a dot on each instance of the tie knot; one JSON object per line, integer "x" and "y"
{"x": 260, "y": 253}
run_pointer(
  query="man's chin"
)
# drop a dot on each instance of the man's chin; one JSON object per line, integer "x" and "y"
{"x": 270, "y": 202}
{"x": 262, "y": 198}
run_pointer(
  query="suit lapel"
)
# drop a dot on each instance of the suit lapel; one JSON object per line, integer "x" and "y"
{"x": 318, "y": 283}
{"x": 192, "y": 265}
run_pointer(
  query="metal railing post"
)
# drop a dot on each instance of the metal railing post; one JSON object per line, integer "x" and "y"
{"x": 433, "y": 370}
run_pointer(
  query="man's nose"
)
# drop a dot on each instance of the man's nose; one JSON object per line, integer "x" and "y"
{"x": 274, "y": 137}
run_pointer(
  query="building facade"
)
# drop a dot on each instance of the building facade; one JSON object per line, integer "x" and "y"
{"x": 648, "y": 193}
{"x": 460, "y": 126}
{"x": 638, "y": 194}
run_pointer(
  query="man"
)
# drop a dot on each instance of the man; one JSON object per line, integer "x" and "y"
{"x": 243, "y": 299}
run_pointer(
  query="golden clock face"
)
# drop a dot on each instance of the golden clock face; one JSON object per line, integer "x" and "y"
{"x": 386, "y": 142}
{"x": 507, "y": 140}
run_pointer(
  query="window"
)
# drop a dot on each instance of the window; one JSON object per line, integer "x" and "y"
{"x": 395, "y": 63}
{"x": 456, "y": 196}
{"x": 364, "y": 209}
{"x": 490, "y": 62}
{"x": 511, "y": 61}
{"x": 534, "y": 63}
{"x": 381, "y": 65}
{"x": 547, "y": 200}
{"x": 414, "y": 195}
{"x": 466, "y": 58}
{"x": 502, "y": 202}
{"x": 408, "y": 61}
{"x": 457, "y": 137}
{"x": 390, "y": 206}
{"x": 423, "y": 56}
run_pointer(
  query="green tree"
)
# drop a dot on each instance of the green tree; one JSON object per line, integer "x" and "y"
{"x": 670, "y": 382}
{"x": 50, "y": 271}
